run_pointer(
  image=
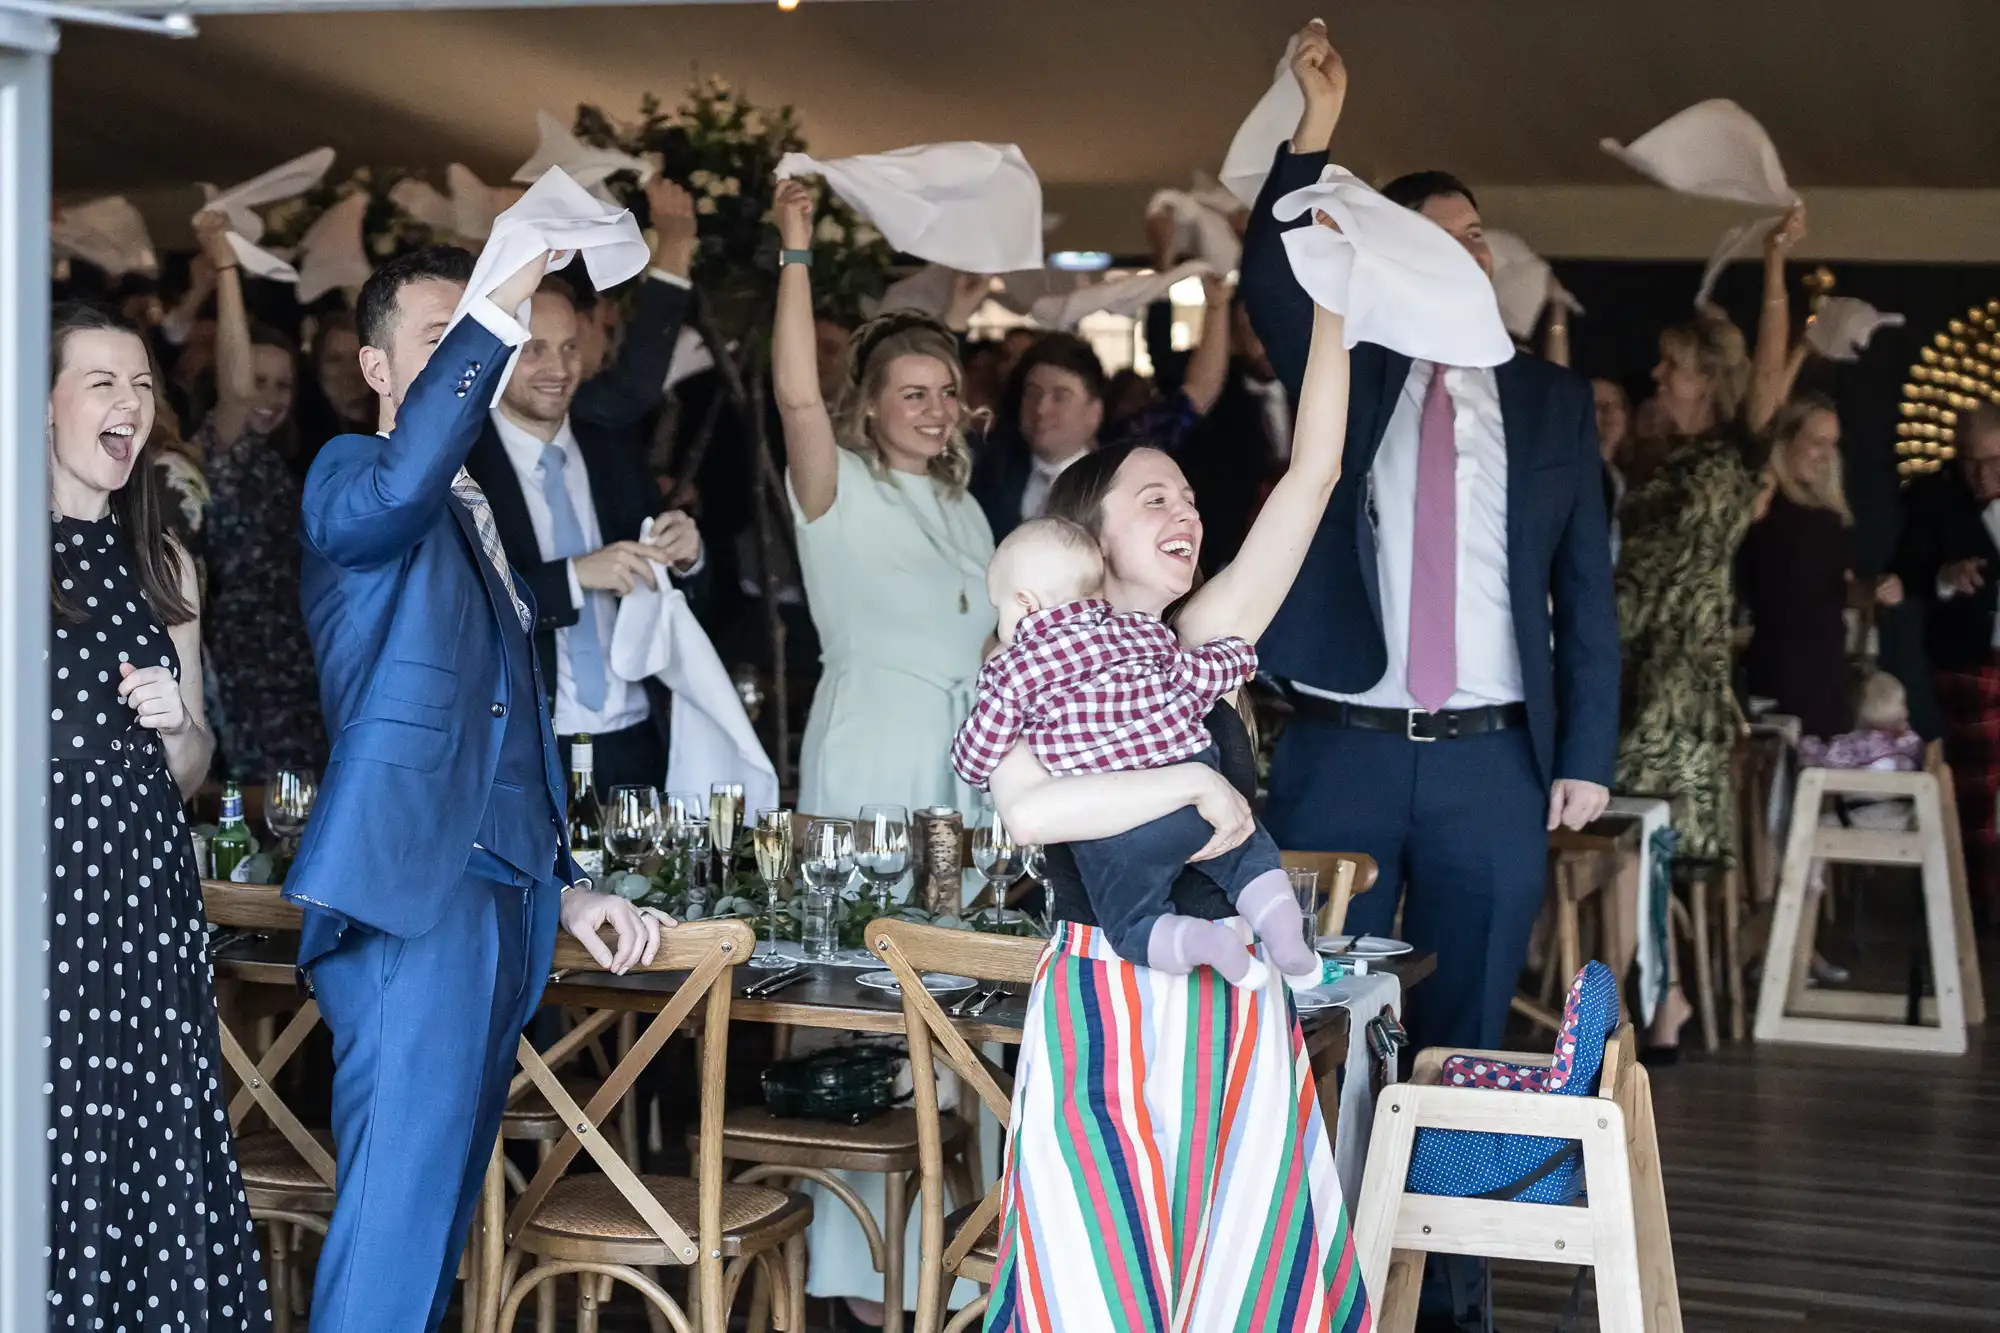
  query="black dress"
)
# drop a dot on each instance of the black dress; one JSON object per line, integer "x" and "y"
{"x": 1194, "y": 894}
{"x": 1793, "y": 578}
{"x": 149, "y": 1227}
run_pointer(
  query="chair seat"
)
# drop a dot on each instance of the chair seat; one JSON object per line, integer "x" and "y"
{"x": 585, "y": 1217}
{"x": 984, "y": 1255}
{"x": 888, "y": 1142}
{"x": 277, "y": 1176}
{"x": 530, "y": 1116}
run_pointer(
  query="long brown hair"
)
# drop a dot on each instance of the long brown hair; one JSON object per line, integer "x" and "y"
{"x": 869, "y": 353}
{"x": 1714, "y": 347}
{"x": 139, "y": 506}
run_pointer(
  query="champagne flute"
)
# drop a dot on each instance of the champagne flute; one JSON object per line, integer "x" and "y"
{"x": 288, "y": 799}
{"x": 882, "y": 849}
{"x": 771, "y": 838}
{"x": 725, "y": 822}
{"x": 631, "y": 824}
{"x": 826, "y": 861}
{"x": 687, "y": 831}
{"x": 996, "y": 856}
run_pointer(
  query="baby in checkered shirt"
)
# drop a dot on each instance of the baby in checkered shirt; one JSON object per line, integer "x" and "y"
{"x": 1095, "y": 690}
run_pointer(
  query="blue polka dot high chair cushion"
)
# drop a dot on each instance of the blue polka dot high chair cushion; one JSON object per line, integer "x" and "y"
{"x": 1463, "y": 1164}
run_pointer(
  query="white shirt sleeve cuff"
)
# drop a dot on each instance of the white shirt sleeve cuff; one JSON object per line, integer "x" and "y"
{"x": 498, "y": 322}
{"x": 671, "y": 279}
{"x": 700, "y": 559}
{"x": 575, "y": 585}
{"x": 1945, "y": 591}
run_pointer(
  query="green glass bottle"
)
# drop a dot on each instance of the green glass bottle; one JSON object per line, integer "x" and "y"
{"x": 231, "y": 844}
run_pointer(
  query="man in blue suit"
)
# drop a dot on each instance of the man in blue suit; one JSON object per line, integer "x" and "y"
{"x": 1451, "y": 645}
{"x": 434, "y": 869}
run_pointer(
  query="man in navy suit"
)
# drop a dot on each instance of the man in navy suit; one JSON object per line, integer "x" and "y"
{"x": 434, "y": 870}
{"x": 1451, "y": 644}
{"x": 570, "y": 496}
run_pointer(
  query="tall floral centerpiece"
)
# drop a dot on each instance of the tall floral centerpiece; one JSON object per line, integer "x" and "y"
{"x": 724, "y": 149}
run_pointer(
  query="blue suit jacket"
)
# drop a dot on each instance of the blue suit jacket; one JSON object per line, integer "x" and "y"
{"x": 404, "y": 612}
{"x": 1328, "y": 634}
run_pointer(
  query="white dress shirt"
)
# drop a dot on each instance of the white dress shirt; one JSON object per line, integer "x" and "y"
{"x": 1041, "y": 479}
{"x": 625, "y": 702}
{"x": 1489, "y": 660}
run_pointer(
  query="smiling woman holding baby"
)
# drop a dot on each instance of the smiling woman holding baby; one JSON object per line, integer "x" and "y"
{"x": 1164, "y": 1169}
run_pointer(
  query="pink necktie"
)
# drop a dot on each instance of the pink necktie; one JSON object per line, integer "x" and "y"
{"x": 1433, "y": 661}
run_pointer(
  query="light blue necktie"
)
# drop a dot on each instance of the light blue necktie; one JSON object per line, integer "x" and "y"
{"x": 586, "y": 652}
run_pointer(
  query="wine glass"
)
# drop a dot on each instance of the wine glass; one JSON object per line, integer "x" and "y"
{"x": 771, "y": 839}
{"x": 1305, "y": 888}
{"x": 996, "y": 855}
{"x": 1034, "y": 865}
{"x": 826, "y": 861}
{"x": 631, "y": 824}
{"x": 725, "y": 822}
{"x": 686, "y": 820}
{"x": 288, "y": 799}
{"x": 882, "y": 849}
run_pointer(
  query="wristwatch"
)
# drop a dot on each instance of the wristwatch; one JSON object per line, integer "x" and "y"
{"x": 804, "y": 257}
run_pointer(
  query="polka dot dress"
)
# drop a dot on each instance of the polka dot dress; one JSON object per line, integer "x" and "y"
{"x": 149, "y": 1229}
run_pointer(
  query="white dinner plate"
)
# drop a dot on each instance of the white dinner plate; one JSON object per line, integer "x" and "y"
{"x": 937, "y": 983}
{"x": 1311, "y": 1001}
{"x": 1366, "y": 946}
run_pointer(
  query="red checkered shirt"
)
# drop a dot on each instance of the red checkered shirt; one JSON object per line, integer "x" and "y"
{"x": 1094, "y": 690}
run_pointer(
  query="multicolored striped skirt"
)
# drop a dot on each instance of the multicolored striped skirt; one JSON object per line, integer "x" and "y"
{"x": 1167, "y": 1168}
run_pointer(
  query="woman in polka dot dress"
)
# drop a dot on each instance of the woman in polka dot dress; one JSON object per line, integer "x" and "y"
{"x": 148, "y": 1225}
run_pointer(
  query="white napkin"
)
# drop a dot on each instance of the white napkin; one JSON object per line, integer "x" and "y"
{"x": 691, "y": 357}
{"x": 974, "y": 207}
{"x": 1363, "y": 997}
{"x": 107, "y": 232}
{"x": 1521, "y": 283}
{"x": 1842, "y": 326}
{"x": 1120, "y": 296}
{"x": 1271, "y": 122}
{"x": 1715, "y": 150}
{"x": 711, "y": 738}
{"x": 1202, "y": 226}
{"x": 1399, "y": 279}
{"x": 555, "y": 215}
{"x": 1653, "y": 815}
{"x": 588, "y": 166}
{"x": 331, "y": 255}
{"x": 239, "y": 203}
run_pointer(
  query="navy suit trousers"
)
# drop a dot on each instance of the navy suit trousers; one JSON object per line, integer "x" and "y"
{"x": 424, "y": 1035}
{"x": 1459, "y": 830}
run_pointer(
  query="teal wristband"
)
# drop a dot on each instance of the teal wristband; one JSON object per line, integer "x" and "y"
{"x": 803, "y": 257}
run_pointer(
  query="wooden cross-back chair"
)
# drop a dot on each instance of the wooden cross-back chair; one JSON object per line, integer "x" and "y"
{"x": 287, "y": 1169}
{"x": 966, "y": 1244}
{"x": 1343, "y": 877}
{"x": 609, "y": 1225}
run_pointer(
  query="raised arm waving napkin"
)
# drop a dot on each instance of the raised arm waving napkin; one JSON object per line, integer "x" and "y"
{"x": 1841, "y": 328}
{"x": 558, "y": 216}
{"x": 1400, "y": 280}
{"x": 588, "y": 166}
{"x": 239, "y": 203}
{"x": 107, "y": 232}
{"x": 1521, "y": 282}
{"x": 974, "y": 207}
{"x": 1269, "y": 124}
{"x": 1715, "y": 150}
{"x": 1202, "y": 226}
{"x": 331, "y": 256}
{"x": 1119, "y": 296}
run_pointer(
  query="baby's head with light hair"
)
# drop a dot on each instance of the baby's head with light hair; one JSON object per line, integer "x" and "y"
{"x": 1885, "y": 705}
{"x": 1043, "y": 563}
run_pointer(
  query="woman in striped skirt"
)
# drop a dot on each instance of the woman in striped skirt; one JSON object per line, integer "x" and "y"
{"x": 1167, "y": 1167}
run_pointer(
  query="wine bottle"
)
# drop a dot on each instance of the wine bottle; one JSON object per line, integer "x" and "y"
{"x": 231, "y": 844}
{"x": 585, "y": 818}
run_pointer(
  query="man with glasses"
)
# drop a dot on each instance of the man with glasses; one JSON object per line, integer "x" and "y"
{"x": 1949, "y": 560}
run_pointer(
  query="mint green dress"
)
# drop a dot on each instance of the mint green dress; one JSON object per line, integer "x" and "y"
{"x": 895, "y": 574}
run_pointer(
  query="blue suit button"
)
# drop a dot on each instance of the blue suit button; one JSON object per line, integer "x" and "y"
{"x": 499, "y": 710}
{"x": 473, "y": 368}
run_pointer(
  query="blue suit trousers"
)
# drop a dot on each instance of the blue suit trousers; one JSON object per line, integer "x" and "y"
{"x": 424, "y": 1035}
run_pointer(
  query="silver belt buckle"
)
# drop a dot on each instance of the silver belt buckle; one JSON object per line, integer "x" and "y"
{"x": 1410, "y": 726}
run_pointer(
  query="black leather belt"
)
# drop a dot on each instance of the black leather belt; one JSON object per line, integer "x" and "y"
{"x": 1412, "y": 723}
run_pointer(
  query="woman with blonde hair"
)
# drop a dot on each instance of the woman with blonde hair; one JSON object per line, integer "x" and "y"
{"x": 892, "y": 548}
{"x": 1796, "y": 575}
{"x": 1683, "y": 522}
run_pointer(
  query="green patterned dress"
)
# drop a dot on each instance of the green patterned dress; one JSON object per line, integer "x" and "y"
{"x": 1682, "y": 524}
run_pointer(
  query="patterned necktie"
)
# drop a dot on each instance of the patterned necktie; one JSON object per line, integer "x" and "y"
{"x": 586, "y": 652}
{"x": 468, "y": 493}
{"x": 1432, "y": 669}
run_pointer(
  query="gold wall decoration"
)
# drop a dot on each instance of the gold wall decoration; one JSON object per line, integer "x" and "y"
{"x": 1958, "y": 370}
